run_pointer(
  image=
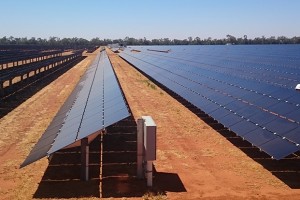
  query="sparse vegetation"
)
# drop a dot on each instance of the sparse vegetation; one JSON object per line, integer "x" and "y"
{"x": 150, "y": 84}
{"x": 153, "y": 196}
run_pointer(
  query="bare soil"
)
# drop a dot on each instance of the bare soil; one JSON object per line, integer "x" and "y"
{"x": 194, "y": 161}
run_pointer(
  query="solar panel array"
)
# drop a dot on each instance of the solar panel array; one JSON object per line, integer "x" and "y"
{"x": 248, "y": 89}
{"x": 15, "y": 56}
{"x": 96, "y": 103}
{"x": 12, "y": 72}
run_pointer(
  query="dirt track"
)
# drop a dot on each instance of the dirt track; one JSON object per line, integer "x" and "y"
{"x": 195, "y": 160}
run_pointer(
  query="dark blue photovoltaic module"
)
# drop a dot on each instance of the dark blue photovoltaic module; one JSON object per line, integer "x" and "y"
{"x": 96, "y": 103}
{"x": 249, "y": 89}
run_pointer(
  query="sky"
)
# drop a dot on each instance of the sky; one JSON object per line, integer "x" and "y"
{"x": 174, "y": 19}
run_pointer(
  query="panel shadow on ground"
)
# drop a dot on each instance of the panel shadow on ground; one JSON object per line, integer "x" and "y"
{"x": 119, "y": 160}
{"x": 287, "y": 169}
{"x": 119, "y": 166}
{"x": 62, "y": 177}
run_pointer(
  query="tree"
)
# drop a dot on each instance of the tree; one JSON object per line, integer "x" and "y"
{"x": 4, "y": 40}
{"x": 146, "y": 42}
{"x": 32, "y": 41}
{"x": 190, "y": 40}
{"x": 83, "y": 43}
{"x": 53, "y": 41}
{"x": 231, "y": 39}
{"x": 197, "y": 41}
{"x": 245, "y": 39}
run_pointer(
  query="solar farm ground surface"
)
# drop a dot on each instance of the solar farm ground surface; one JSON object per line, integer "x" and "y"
{"x": 194, "y": 161}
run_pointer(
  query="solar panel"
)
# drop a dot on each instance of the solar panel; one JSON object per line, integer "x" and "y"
{"x": 293, "y": 135}
{"x": 219, "y": 113}
{"x": 283, "y": 108}
{"x": 295, "y": 99}
{"x": 231, "y": 120}
{"x": 96, "y": 103}
{"x": 294, "y": 115}
{"x": 247, "y": 89}
{"x": 279, "y": 148}
{"x": 281, "y": 126}
{"x": 262, "y": 118}
{"x": 243, "y": 127}
{"x": 260, "y": 136}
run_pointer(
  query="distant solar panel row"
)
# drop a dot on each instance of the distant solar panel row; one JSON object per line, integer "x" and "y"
{"x": 255, "y": 99}
{"x": 96, "y": 103}
{"x": 15, "y": 56}
{"x": 12, "y": 72}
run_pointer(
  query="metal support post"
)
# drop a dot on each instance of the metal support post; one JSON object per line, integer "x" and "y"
{"x": 149, "y": 173}
{"x": 1, "y": 89}
{"x": 140, "y": 148}
{"x": 84, "y": 159}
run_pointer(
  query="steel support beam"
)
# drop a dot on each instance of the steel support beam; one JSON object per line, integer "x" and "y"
{"x": 84, "y": 159}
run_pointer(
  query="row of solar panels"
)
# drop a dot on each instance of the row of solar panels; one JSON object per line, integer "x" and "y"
{"x": 287, "y": 55}
{"x": 96, "y": 103}
{"x": 12, "y": 72}
{"x": 227, "y": 77}
{"x": 265, "y": 114}
{"x": 285, "y": 75}
{"x": 15, "y": 56}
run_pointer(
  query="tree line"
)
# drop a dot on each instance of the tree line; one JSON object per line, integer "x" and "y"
{"x": 209, "y": 41}
{"x": 78, "y": 42}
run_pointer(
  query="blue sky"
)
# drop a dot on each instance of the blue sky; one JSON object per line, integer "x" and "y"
{"x": 149, "y": 18}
